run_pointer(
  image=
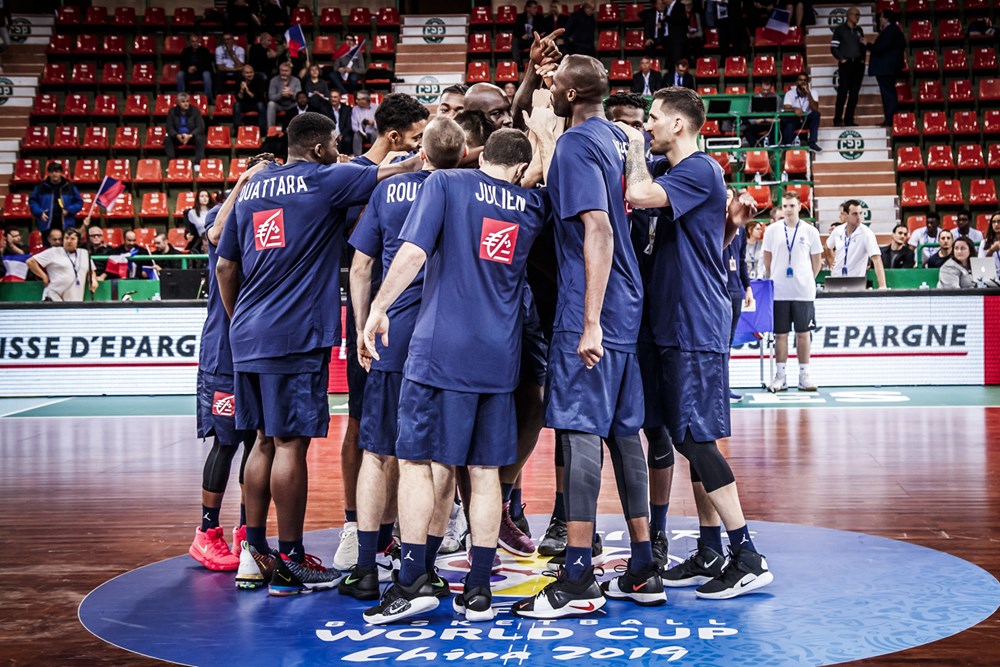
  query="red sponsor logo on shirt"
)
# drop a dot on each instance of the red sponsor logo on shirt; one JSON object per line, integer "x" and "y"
{"x": 269, "y": 229}
{"x": 223, "y": 405}
{"x": 498, "y": 240}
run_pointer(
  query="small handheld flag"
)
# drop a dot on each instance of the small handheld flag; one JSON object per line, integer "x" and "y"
{"x": 108, "y": 192}
{"x": 778, "y": 21}
{"x": 350, "y": 51}
{"x": 296, "y": 40}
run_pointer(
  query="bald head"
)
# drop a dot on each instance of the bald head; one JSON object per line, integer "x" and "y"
{"x": 491, "y": 101}
{"x": 579, "y": 81}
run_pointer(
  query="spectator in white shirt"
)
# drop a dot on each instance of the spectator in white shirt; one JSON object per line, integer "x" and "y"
{"x": 927, "y": 234}
{"x": 229, "y": 60}
{"x": 64, "y": 270}
{"x": 851, "y": 245}
{"x": 804, "y": 102}
{"x": 792, "y": 259}
{"x": 363, "y": 121}
{"x": 965, "y": 228}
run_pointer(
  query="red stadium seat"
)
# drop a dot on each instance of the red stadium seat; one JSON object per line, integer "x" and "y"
{"x": 935, "y": 123}
{"x": 154, "y": 18}
{"x": 144, "y": 46}
{"x": 114, "y": 46}
{"x": 119, "y": 169}
{"x": 136, "y": 106}
{"x": 87, "y": 45}
{"x": 966, "y": 122}
{"x": 736, "y": 90}
{"x": 66, "y": 138}
{"x": 164, "y": 103}
{"x": 168, "y": 77}
{"x": 173, "y": 46}
{"x": 330, "y": 18}
{"x": 148, "y": 172}
{"x": 633, "y": 14}
{"x": 126, "y": 139}
{"x": 26, "y": 172}
{"x": 983, "y": 222}
{"x": 950, "y": 30}
{"x": 477, "y": 72}
{"x": 991, "y": 122}
{"x": 383, "y": 45}
{"x": 764, "y": 67}
{"x": 45, "y": 105}
{"x": 736, "y": 68}
{"x": 904, "y": 93}
{"x": 236, "y": 168}
{"x": 945, "y": 7}
{"x": 926, "y": 62}
{"x": 609, "y": 42}
{"x": 176, "y": 237}
{"x": 60, "y": 46}
{"x": 984, "y": 59}
{"x": 36, "y": 138}
{"x": 914, "y": 195}
{"x": 360, "y": 18}
{"x": 123, "y": 209}
{"x": 983, "y": 192}
{"x": 993, "y": 156}
{"x": 917, "y": 7}
{"x": 184, "y": 17}
{"x": 223, "y": 106}
{"x": 948, "y": 192}
{"x": 302, "y": 16}
{"x": 955, "y": 60}
{"x": 95, "y": 138}
{"x": 621, "y": 70}
{"x": 479, "y": 43}
{"x": 706, "y": 68}
{"x": 185, "y": 200}
{"x": 931, "y": 92}
{"x": 481, "y": 16}
{"x": 940, "y": 158}
{"x": 607, "y": 13}
{"x": 124, "y": 18}
{"x": 507, "y": 71}
{"x": 54, "y": 75}
{"x": 106, "y": 106}
{"x": 155, "y": 135}
{"x": 804, "y": 191}
{"x": 989, "y": 90}
{"x": 764, "y": 40}
{"x": 144, "y": 237}
{"x": 761, "y": 195}
{"x": 324, "y": 47}
{"x": 909, "y": 159}
{"x": 113, "y": 75}
{"x": 921, "y": 32}
{"x": 707, "y": 90}
{"x": 711, "y": 128}
{"x": 504, "y": 42}
{"x": 248, "y": 138}
{"x": 506, "y": 15}
{"x": 387, "y": 17}
{"x": 17, "y": 207}
{"x": 970, "y": 158}
{"x": 904, "y": 125}
{"x": 218, "y": 138}
{"x": 211, "y": 171}
{"x": 87, "y": 172}
{"x": 200, "y": 102}
{"x": 796, "y": 162}
{"x": 960, "y": 92}
{"x": 68, "y": 16}
{"x": 154, "y": 205}
{"x": 83, "y": 74}
{"x": 915, "y": 222}
{"x": 143, "y": 74}
{"x": 757, "y": 162}
{"x": 179, "y": 170}
{"x": 634, "y": 42}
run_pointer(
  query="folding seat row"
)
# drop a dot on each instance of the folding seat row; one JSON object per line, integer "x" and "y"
{"x": 969, "y": 157}
{"x": 948, "y": 192}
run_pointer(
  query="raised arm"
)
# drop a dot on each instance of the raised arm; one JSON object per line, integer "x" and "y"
{"x": 641, "y": 191}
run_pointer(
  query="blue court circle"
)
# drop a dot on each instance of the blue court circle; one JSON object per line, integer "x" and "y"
{"x": 837, "y": 596}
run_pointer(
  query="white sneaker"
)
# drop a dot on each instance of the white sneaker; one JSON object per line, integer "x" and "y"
{"x": 347, "y": 552}
{"x": 805, "y": 384}
{"x": 458, "y": 528}
{"x": 780, "y": 383}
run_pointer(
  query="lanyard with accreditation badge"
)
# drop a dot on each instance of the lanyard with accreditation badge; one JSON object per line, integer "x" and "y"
{"x": 72, "y": 260}
{"x": 847, "y": 252}
{"x": 791, "y": 244}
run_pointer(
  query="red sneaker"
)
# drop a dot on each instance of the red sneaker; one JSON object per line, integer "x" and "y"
{"x": 239, "y": 537}
{"x": 210, "y": 549}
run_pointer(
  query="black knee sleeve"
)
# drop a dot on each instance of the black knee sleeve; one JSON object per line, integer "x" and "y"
{"x": 582, "y": 475}
{"x": 661, "y": 449}
{"x": 631, "y": 475}
{"x": 707, "y": 462}
{"x": 248, "y": 443}
{"x": 215, "y": 475}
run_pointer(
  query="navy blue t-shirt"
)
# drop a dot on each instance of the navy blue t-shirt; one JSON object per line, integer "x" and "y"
{"x": 734, "y": 257}
{"x": 477, "y": 232}
{"x": 377, "y": 235}
{"x": 288, "y": 237}
{"x": 692, "y": 310}
{"x": 216, "y": 354}
{"x": 587, "y": 174}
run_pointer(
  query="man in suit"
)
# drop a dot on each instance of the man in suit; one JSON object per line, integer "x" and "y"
{"x": 681, "y": 77}
{"x": 646, "y": 81}
{"x": 654, "y": 28}
{"x": 528, "y": 22}
{"x": 886, "y": 64}
{"x": 341, "y": 114}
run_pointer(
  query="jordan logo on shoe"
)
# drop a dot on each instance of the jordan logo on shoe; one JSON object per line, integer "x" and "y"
{"x": 408, "y": 556}
{"x": 578, "y": 561}
{"x": 292, "y": 552}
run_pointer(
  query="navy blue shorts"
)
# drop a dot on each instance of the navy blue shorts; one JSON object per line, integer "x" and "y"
{"x": 649, "y": 368}
{"x": 379, "y": 415}
{"x": 217, "y": 409}
{"x": 604, "y": 400}
{"x": 285, "y": 404}
{"x": 696, "y": 395}
{"x": 534, "y": 353}
{"x": 456, "y": 428}
{"x": 357, "y": 378}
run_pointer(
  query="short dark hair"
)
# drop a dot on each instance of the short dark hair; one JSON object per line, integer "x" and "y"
{"x": 456, "y": 89}
{"x": 849, "y": 203}
{"x": 260, "y": 157}
{"x": 477, "y": 126}
{"x": 55, "y": 165}
{"x": 685, "y": 101}
{"x": 71, "y": 231}
{"x": 398, "y": 111}
{"x": 932, "y": 215}
{"x": 683, "y": 61}
{"x": 898, "y": 225}
{"x": 444, "y": 143}
{"x": 634, "y": 100}
{"x": 308, "y": 129}
{"x": 507, "y": 147}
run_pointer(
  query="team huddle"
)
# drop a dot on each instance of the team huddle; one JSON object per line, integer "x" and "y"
{"x": 510, "y": 269}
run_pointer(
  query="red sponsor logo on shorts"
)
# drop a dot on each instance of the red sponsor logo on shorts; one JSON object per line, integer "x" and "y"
{"x": 498, "y": 241}
{"x": 269, "y": 229}
{"x": 223, "y": 405}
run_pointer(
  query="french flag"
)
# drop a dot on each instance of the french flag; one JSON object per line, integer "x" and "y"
{"x": 117, "y": 266}
{"x": 16, "y": 268}
{"x": 351, "y": 52}
{"x": 109, "y": 191}
{"x": 778, "y": 21}
{"x": 296, "y": 40}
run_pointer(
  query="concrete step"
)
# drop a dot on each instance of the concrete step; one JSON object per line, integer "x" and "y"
{"x": 862, "y": 171}
{"x": 855, "y": 190}
{"x": 435, "y": 50}
{"x": 445, "y": 79}
{"x": 411, "y": 20}
{"x": 421, "y": 69}
{"x": 875, "y": 208}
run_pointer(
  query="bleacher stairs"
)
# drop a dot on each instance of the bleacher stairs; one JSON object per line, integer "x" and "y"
{"x": 431, "y": 55}
{"x": 856, "y": 162}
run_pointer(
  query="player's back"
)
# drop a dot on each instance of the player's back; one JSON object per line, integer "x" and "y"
{"x": 288, "y": 236}
{"x": 479, "y": 230}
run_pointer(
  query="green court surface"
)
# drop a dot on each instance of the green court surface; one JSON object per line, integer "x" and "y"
{"x": 837, "y": 397}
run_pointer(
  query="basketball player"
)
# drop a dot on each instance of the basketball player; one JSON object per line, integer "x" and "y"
{"x": 473, "y": 230}
{"x": 377, "y": 235}
{"x": 690, "y": 320}
{"x": 400, "y": 120}
{"x": 593, "y": 389}
{"x": 285, "y": 317}
{"x": 216, "y": 410}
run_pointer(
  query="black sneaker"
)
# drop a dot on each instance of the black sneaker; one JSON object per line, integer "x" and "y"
{"x": 643, "y": 587}
{"x": 292, "y": 578}
{"x": 703, "y": 565}
{"x": 522, "y": 522}
{"x": 563, "y": 598}
{"x": 747, "y": 571}
{"x": 360, "y": 583}
{"x": 661, "y": 546}
{"x": 442, "y": 589}
{"x": 475, "y": 604}
{"x": 554, "y": 540}
{"x": 399, "y": 602}
{"x": 596, "y": 552}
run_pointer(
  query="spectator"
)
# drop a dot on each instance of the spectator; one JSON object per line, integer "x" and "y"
{"x": 196, "y": 63}
{"x": 229, "y": 60}
{"x": 194, "y": 217}
{"x": 273, "y": 16}
{"x": 554, "y": 20}
{"x": 990, "y": 247}
{"x": 96, "y": 246}
{"x": 301, "y": 107}
{"x": 452, "y": 100}
{"x": 134, "y": 253}
{"x": 792, "y": 259}
{"x": 581, "y": 31}
{"x": 528, "y": 22}
{"x": 317, "y": 90}
{"x": 927, "y": 234}
{"x": 239, "y": 16}
{"x": 694, "y": 39}
{"x": 805, "y": 104}
{"x": 734, "y": 257}
{"x": 54, "y": 239}
{"x": 341, "y": 114}
{"x": 654, "y": 29}
{"x": 348, "y": 70}
{"x": 12, "y": 242}
{"x": 854, "y": 264}
{"x": 756, "y": 130}
{"x": 64, "y": 270}
{"x": 758, "y": 12}
{"x": 887, "y": 61}
{"x": 755, "y": 248}
{"x": 363, "y": 121}
{"x": 796, "y": 12}
{"x": 956, "y": 272}
{"x": 848, "y": 47}
{"x": 946, "y": 242}
{"x": 264, "y": 55}
{"x": 727, "y": 18}
{"x": 185, "y": 127}
{"x": 964, "y": 228}
{"x": 251, "y": 98}
{"x": 509, "y": 89}
{"x": 55, "y": 201}
{"x": 646, "y": 81}
{"x": 682, "y": 76}
{"x": 162, "y": 248}
{"x": 898, "y": 254}
{"x": 281, "y": 93}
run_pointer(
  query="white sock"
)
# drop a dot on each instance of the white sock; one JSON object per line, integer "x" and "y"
{"x": 803, "y": 369}
{"x": 781, "y": 369}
